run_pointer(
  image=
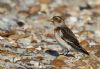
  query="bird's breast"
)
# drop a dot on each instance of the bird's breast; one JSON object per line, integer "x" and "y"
{"x": 58, "y": 35}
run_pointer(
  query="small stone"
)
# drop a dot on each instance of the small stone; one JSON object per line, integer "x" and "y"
{"x": 86, "y": 46}
{"x": 20, "y": 50}
{"x": 97, "y": 40}
{"x": 45, "y": 1}
{"x": 24, "y": 42}
{"x": 4, "y": 7}
{"x": 52, "y": 52}
{"x": 96, "y": 14}
{"x": 81, "y": 33}
{"x": 20, "y": 24}
{"x": 34, "y": 9}
{"x": 87, "y": 6}
{"x": 97, "y": 5}
{"x": 36, "y": 64}
{"x": 97, "y": 53}
{"x": 90, "y": 67}
{"x": 6, "y": 34}
{"x": 30, "y": 49}
{"x": 3, "y": 51}
{"x": 97, "y": 33}
{"x": 97, "y": 47}
{"x": 15, "y": 37}
{"x": 44, "y": 8}
{"x": 7, "y": 46}
{"x": 2, "y": 67}
{"x": 84, "y": 43}
{"x": 80, "y": 63}
{"x": 50, "y": 35}
{"x": 62, "y": 57}
{"x": 39, "y": 48}
{"x": 23, "y": 13}
{"x": 47, "y": 58}
{"x": 90, "y": 34}
{"x": 8, "y": 23}
{"x": 13, "y": 43}
{"x": 58, "y": 63}
{"x": 40, "y": 58}
{"x": 60, "y": 9}
{"x": 2, "y": 10}
{"x": 72, "y": 19}
{"x": 25, "y": 60}
{"x": 1, "y": 37}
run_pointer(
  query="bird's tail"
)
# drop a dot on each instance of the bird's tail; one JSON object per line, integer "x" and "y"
{"x": 84, "y": 51}
{"x": 79, "y": 48}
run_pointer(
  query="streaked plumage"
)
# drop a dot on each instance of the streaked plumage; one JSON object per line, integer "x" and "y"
{"x": 65, "y": 37}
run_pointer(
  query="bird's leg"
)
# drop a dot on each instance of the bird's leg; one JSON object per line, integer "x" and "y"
{"x": 66, "y": 53}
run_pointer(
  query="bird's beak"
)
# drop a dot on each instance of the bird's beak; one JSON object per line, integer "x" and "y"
{"x": 50, "y": 20}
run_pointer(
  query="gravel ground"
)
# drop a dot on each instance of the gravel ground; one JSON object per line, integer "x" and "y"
{"x": 27, "y": 38}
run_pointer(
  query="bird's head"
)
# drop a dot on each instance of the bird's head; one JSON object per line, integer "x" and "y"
{"x": 57, "y": 21}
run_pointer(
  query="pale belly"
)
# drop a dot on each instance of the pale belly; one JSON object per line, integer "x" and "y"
{"x": 62, "y": 42}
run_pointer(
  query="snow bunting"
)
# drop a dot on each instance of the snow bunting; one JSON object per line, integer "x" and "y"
{"x": 65, "y": 37}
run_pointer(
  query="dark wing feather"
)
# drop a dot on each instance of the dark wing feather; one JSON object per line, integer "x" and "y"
{"x": 69, "y": 35}
{"x": 71, "y": 39}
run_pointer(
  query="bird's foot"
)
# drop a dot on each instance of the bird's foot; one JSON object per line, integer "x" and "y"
{"x": 69, "y": 55}
{"x": 66, "y": 53}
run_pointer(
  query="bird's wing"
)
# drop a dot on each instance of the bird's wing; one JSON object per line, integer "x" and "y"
{"x": 69, "y": 37}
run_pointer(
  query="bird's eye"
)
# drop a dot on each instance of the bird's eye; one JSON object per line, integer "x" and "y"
{"x": 57, "y": 19}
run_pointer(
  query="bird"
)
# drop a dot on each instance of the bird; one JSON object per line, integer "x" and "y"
{"x": 65, "y": 37}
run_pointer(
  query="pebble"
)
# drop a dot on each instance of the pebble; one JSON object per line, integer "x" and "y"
{"x": 35, "y": 63}
{"x": 97, "y": 53}
{"x": 20, "y": 23}
{"x": 97, "y": 32}
{"x": 4, "y": 8}
{"x": 45, "y": 1}
{"x": 23, "y": 13}
{"x": 34, "y": 9}
{"x": 86, "y": 7}
{"x": 7, "y": 24}
{"x": 58, "y": 63}
{"x": 24, "y": 42}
